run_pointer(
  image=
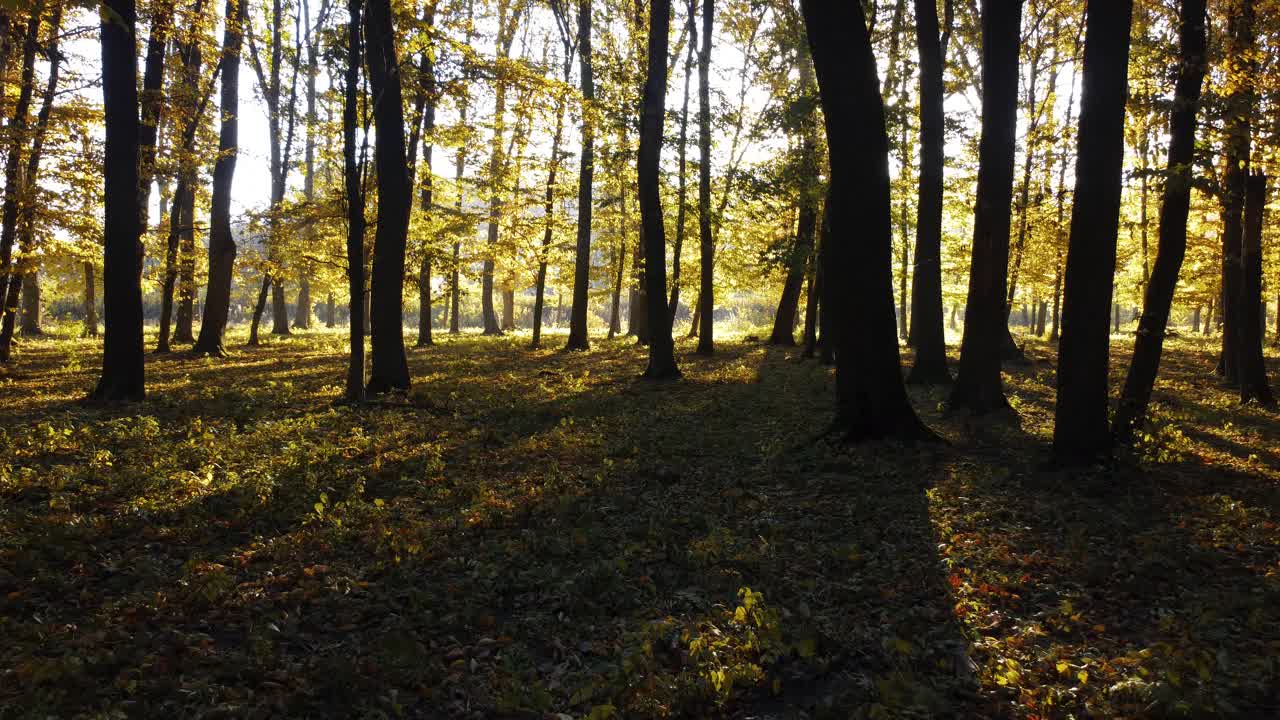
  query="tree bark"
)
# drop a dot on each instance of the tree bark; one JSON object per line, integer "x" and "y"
{"x": 90, "y": 301}
{"x": 784, "y": 319}
{"x": 1081, "y": 434}
{"x": 978, "y": 387}
{"x": 548, "y": 204}
{"x": 682, "y": 148}
{"x": 389, "y": 367}
{"x": 11, "y": 279}
{"x": 1174, "y": 211}
{"x": 706, "y": 241}
{"x": 871, "y": 399}
{"x": 355, "y": 208}
{"x": 1253, "y": 369}
{"x": 586, "y": 178}
{"x": 927, "y": 332}
{"x": 662, "y": 359}
{"x": 122, "y": 354}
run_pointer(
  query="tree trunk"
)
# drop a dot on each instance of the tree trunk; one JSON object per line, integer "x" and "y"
{"x": 682, "y": 189}
{"x": 1081, "y": 434}
{"x": 302, "y": 309}
{"x": 330, "y": 313}
{"x": 927, "y": 333}
{"x": 871, "y": 399}
{"x": 615, "y": 318}
{"x": 182, "y": 331}
{"x": 222, "y": 244}
{"x": 355, "y": 208}
{"x": 122, "y": 354}
{"x": 548, "y": 208}
{"x": 784, "y": 319}
{"x": 1174, "y": 211}
{"x": 11, "y": 277}
{"x": 258, "y": 307}
{"x": 30, "y": 278}
{"x": 586, "y": 177}
{"x": 662, "y": 359}
{"x": 978, "y": 387}
{"x": 811, "y": 304}
{"x": 1195, "y": 315}
{"x": 1253, "y": 369}
{"x": 90, "y": 301}
{"x": 706, "y": 241}
{"x": 389, "y": 367}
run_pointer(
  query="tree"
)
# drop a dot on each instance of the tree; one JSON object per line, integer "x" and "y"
{"x": 662, "y": 359}
{"x": 1176, "y": 207}
{"x": 222, "y": 244}
{"x": 509, "y": 14}
{"x": 706, "y": 241}
{"x": 1253, "y": 369}
{"x": 927, "y": 331}
{"x": 17, "y": 127}
{"x": 389, "y": 367}
{"x": 1081, "y": 433}
{"x": 280, "y": 112}
{"x": 785, "y": 318}
{"x": 122, "y": 354}
{"x": 978, "y": 387}
{"x": 26, "y": 281}
{"x": 871, "y": 400}
{"x": 586, "y": 178}
{"x": 355, "y": 207}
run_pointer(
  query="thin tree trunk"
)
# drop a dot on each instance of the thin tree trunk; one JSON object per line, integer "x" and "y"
{"x": 1081, "y": 433}
{"x": 706, "y": 241}
{"x": 1174, "y": 211}
{"x": 682, "y": 189}
{"x": 615, "y": 318}
{"x": 11, "y": 277}
{"x": 784, "y": 319}
{"x": 586, "y": 177}
{"x": 355, "y": 208}
{"x": 90, "y": 301}
{"x": 548, "y": 209}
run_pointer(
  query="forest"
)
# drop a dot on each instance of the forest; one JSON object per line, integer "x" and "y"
{"x": 558, "y": 359}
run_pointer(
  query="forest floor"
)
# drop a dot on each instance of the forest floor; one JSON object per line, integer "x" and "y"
{"x": 537, "y": 534}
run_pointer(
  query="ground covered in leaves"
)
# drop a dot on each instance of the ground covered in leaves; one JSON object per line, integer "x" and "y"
{"x": 534, "y": 534}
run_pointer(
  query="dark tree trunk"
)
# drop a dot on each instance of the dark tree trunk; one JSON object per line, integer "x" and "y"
{"x": 330, "y": 313}
{"x": 812, "y": 304}
{"x": 90, "y": 301}
{"x": 548, "y": 210}
{"x": 182, "y": 331}
{"x": 871, "y": 399}
{"x": 784, "y": 319}
{"x": 662, "y": 359}
{"x": 978, "y": 387}
{"x": 927, "y": 333}
{"x": 11, "y": 277}
{"x": 302, "y": 309}
{"x": 1253, "y": 369}
{"x": 682, "y": 189}
{"x": 122, "y": 353}
{"x": 355, "y": 208}
{"x": 426, "y": 112}
{"x": 586, "y": 177}
{"x": 258, "y": 307}
{"x": 222, "y": 244}
{"x": 389, "y": 367}
{"x": 30, "y": 278}
{"x": 615, "y": 310}
{"x": 705, "y": 312}
{"x": 1081, "y": 434}
{"x": 1176, "y": 207}
{"x": 152, "y": 106}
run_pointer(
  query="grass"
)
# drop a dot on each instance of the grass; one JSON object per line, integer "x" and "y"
{"x": 538, "y": 534}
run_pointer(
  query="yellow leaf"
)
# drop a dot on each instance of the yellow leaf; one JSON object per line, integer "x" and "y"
{"x": 1063, "y": 667}
{"x": 1083, "y": 675}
